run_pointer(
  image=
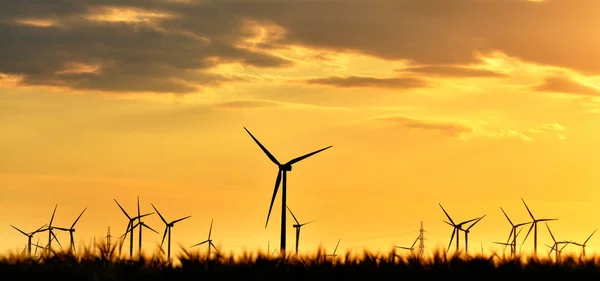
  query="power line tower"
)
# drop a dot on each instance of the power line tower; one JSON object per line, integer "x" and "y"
{"x": 108, "y": 238}
{"x": 422, "y": 241}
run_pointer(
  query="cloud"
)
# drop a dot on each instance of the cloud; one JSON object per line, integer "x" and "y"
{"x": 565, "y": 85}
{"x": 158, "y": 45}
{"x": 445, "y": 128}
{"x": 373, "y": 82}
{"x": 454, "y": 71}
{"x": 246, "y": 104}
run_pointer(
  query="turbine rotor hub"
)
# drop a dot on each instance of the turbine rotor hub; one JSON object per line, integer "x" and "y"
{"x": 286, "y": 167}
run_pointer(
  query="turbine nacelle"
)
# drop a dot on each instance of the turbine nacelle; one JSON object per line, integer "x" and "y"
{"x": 285, "y": 167}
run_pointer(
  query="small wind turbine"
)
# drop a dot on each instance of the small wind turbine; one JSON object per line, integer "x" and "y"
{"x": 71, "y": 230}
{"x": 467, "y": 233}
{"x": 297, "y": 226}
{"x": 168, "y": 226}
{"x": 130, "y": 227}
{"x": 534, "y": 227}
{"x": 584, "y": 243}
{"x": 209, "y": 241}
{"x": 412, "y": 247}
{"x": 282, "y": 173}
{"x": 555, "y": 246}
{"x": 457, "y": 228}
{"x": 333, "y": 255}
{"x": 513, "y": 233}
{"x": 29, "y": 236}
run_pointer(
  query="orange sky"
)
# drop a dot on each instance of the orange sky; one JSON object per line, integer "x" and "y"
{"x": 471, "y": 104}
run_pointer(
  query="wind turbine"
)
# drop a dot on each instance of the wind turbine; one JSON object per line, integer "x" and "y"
{"x": 534, "y": 227}
{"x": 333, "y": 255}
{"x": 513, "y": 233}
{"x": 297, "y": 226}
{"x": 467, "y": 233}
{"x": 281, "y": 177}
{"x": 130, "y": 227}
{"x": 168, "y": 226}
{"x": 209, "y": 241}
{"x": 555, "y": 245}
{"x": 71, "y": 230}
{"x": 456, "y": 227}
{"x": 558, "y": 252}
{"x": 412, "y": 247}
{"x": 50, "y": 229}
{"x": 584, "y": 243}
{"x": 29, "y": 236}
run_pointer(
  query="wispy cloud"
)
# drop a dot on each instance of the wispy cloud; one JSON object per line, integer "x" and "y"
{"x": 453, "y": 71}
{"x": 445, "y": 128}
{"x": 371, "y": 82}
{"x": 565, "y": 85}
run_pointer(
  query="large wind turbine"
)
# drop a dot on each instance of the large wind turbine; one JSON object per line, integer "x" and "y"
{"x": 30, "y": 236}
{"x": 412, "y": 247}
{"x": 297, "y": 226}
{"x": 556, "y": 243}
{"x": 534, "y": 227}
{"x": 281, "y": 177}
{"x": 71, "y": 230}
{"x": 168, "y": 226}
{"x": 467, "y": 233}
{"x": 130, "y": 227}
{"x": 456, "y": 228}
{"x": 513, "y": 233}
{"x": 141, "y": 225}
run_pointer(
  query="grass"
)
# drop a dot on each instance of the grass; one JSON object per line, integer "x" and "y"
{"x": 109, "y": 263}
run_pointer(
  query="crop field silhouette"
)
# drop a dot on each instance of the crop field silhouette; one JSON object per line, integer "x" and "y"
{"x": 103, "y": 262}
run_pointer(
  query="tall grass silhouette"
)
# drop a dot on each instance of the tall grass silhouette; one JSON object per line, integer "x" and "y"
{"x": 102, "y": 262}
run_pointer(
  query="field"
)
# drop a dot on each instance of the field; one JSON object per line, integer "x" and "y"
{"x": 109, "y": 264}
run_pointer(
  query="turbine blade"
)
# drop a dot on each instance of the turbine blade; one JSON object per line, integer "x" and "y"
{"x": 264, "y": 149}
{"x": 144, "y": 215}
{"x": 475, "y": 222}
{"x": 298, "y": 159}
{"x": 213, "y": 245}
{"x": 510, "y": 235}
{"x": 450, "y": 224}
{"x": 148, "y": 227}
{"x": 307, "y": 223}
{"x": 511, "y": 223}
{"x": 566, "y": 244}
{"x": 61, "y": 228}
{"x": 164, "y": 235}
{"x": 199, "y": 243}
{"x": 529, "y": 231}
{"x": 277, "y": 182}
{"x": 405, "y": 248}
{"x": 127, "y": 215}
{"x": 336, "y": 246}
{"x": 541, "y": 220}
{"x": 39, "y": 229}
{"x": 530, "y": 214}
{"x": 210, "y": 230}
{"x": 551, "y": 235}
{"x": 178, "y": 220}
{"x": 292, "y": 214}
{"x": 54, "y": 212}
{"x": 55, "y": 238}
{"x": 413, "y": 244}
{"x": 451, "y": 238}
{"x": 19, "y": 230}
{"x": 76, "y": 220}
{"x": 161, "y": 217}
{"x": 449, "y": 218}
{"x": 588, "y": 239}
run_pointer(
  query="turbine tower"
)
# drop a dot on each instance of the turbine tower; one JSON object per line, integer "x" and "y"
{"x": 281, "y": 177}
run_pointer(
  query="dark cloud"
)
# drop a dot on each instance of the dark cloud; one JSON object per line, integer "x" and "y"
{"x": 202, "y": 34}
{"x": 558, "y": 84}
{"x": 454, "y": 71}
{"x": 372, "y": 82}
{"x": 445, "y": 128}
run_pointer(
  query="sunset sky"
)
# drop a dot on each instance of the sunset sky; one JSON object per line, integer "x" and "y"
{"x": 473, "y": 104}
